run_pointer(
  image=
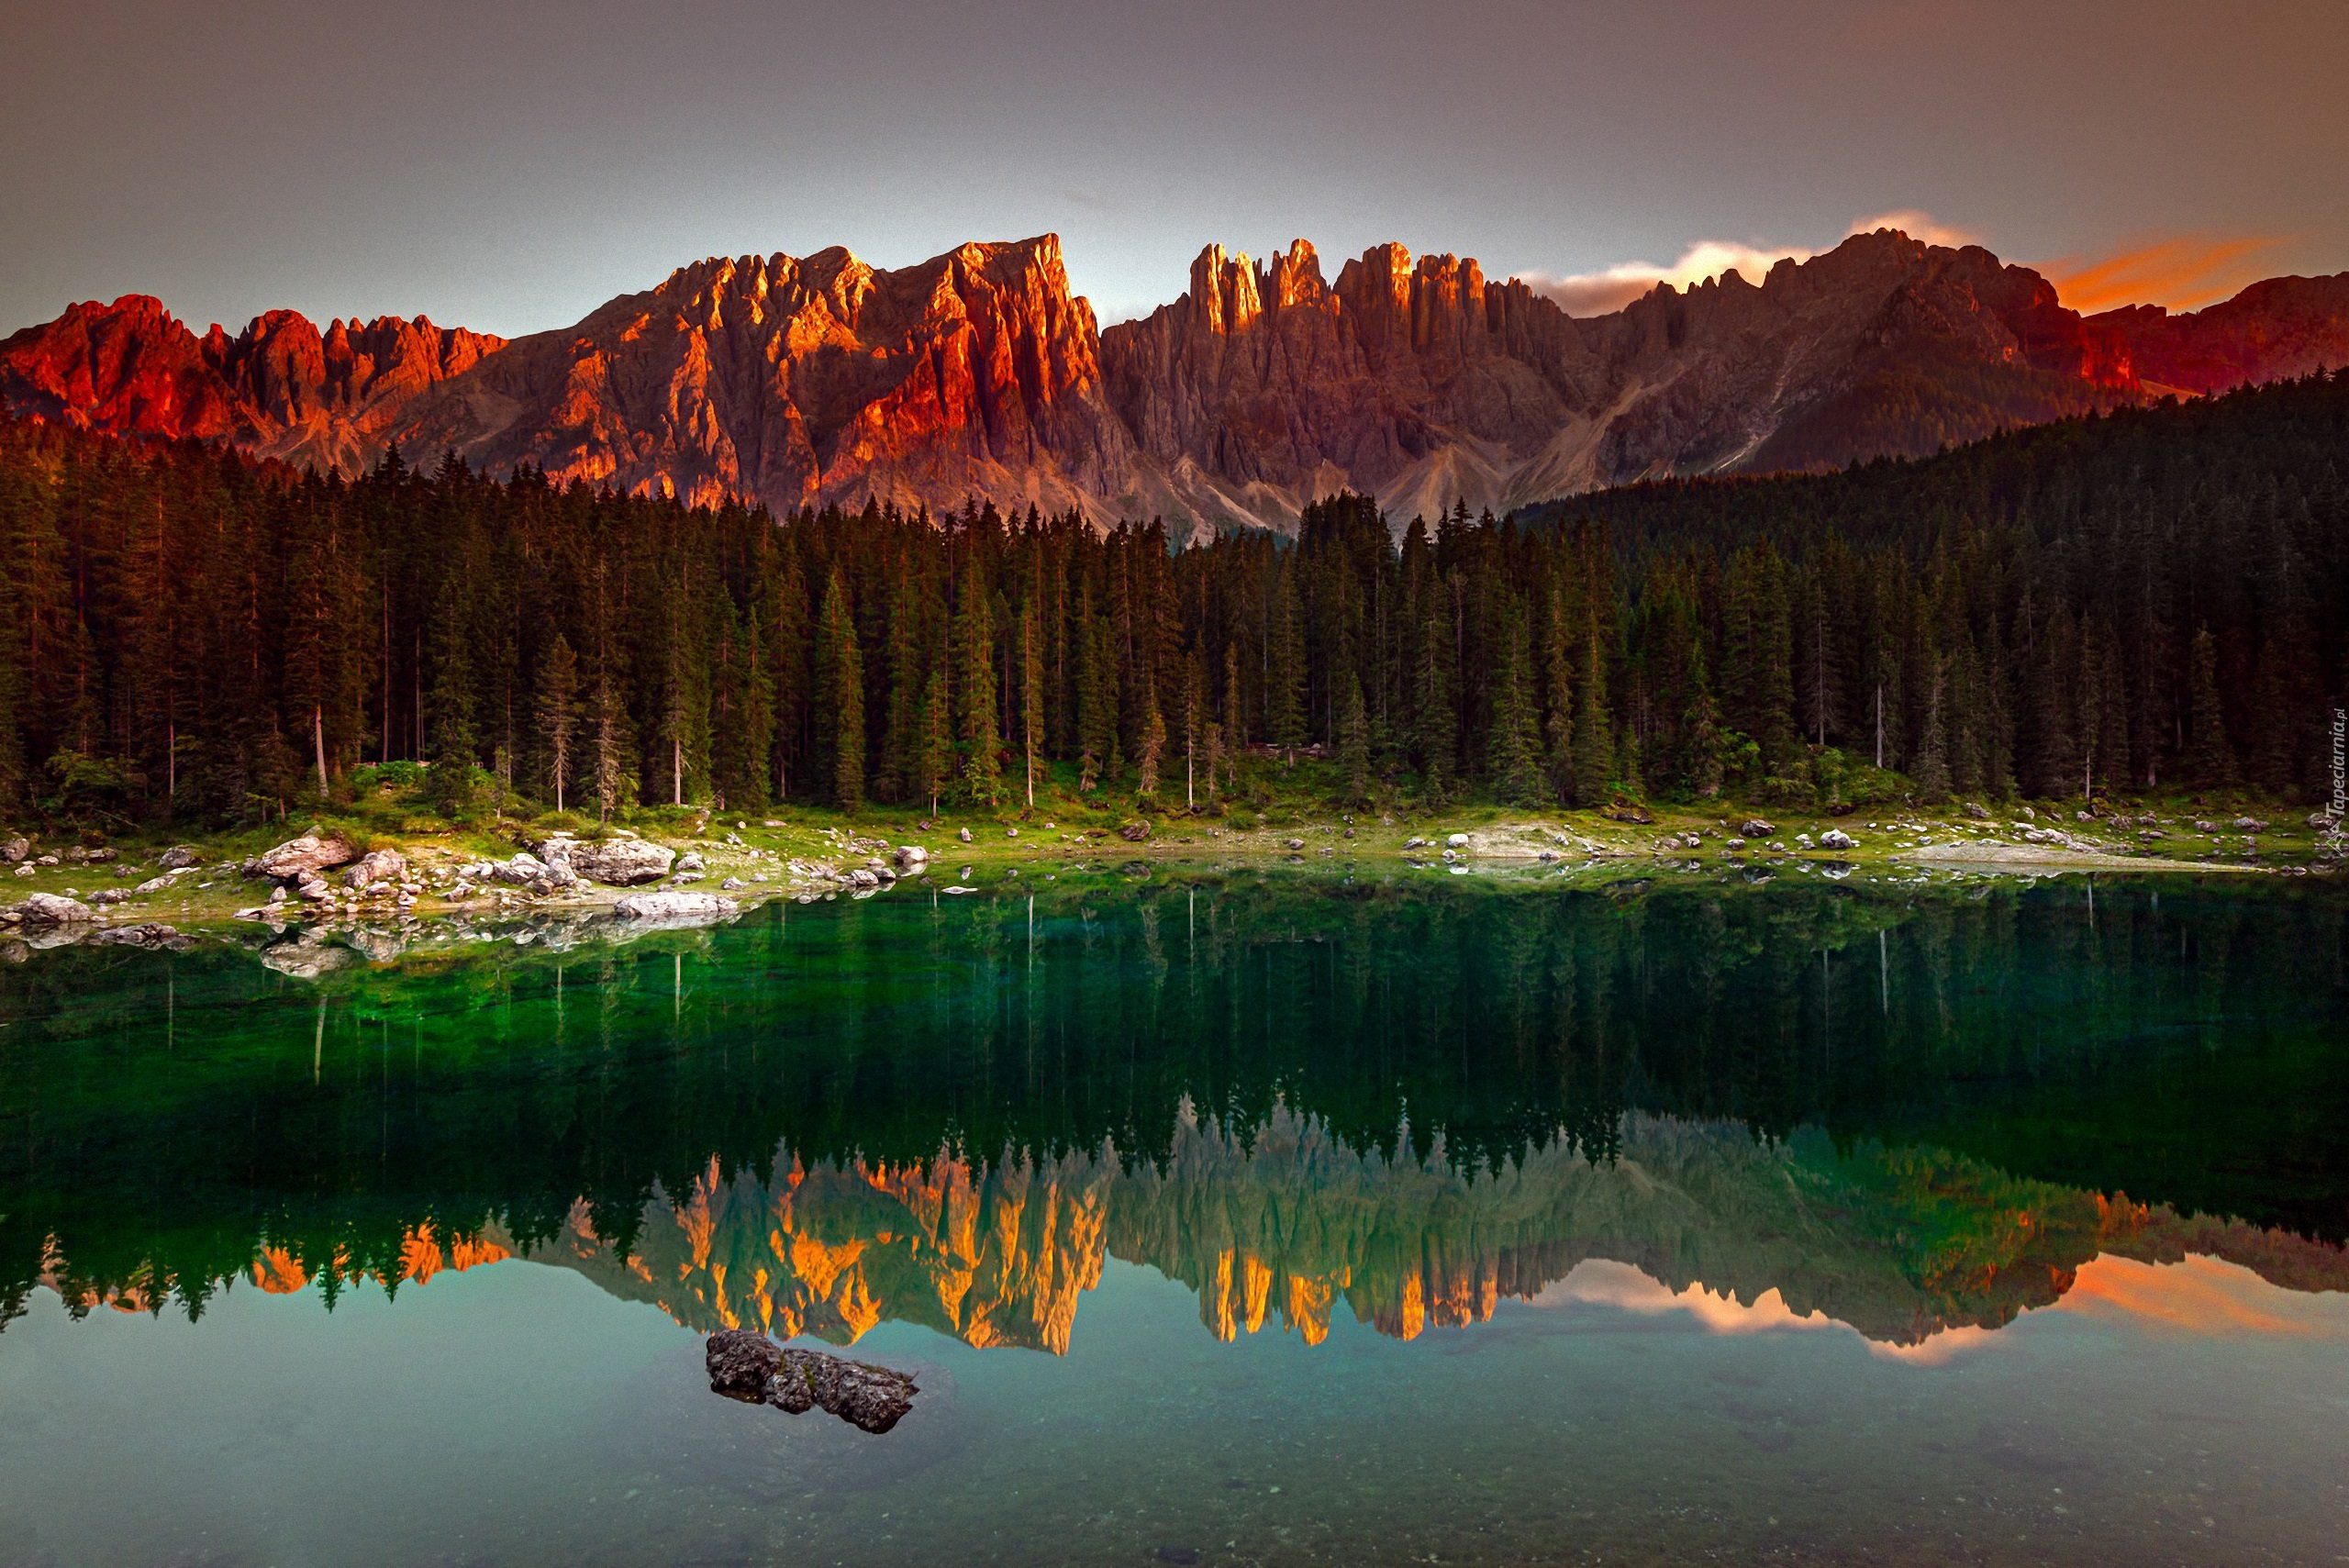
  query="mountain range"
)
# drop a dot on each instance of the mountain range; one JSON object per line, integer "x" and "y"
{"x": 806, "y": 380}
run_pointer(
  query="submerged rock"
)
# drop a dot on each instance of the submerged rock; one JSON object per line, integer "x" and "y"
{"x": 679, "y": 908}
{"x": 306, "y": 956}
{"x": 754, "y": 1369}
{"x": 153, "y": 934}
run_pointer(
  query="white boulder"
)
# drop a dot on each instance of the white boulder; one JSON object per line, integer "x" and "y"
{"x": 306, "y": 856}
{"x": 51, "y": 910}
{"x": 622, "y": 862}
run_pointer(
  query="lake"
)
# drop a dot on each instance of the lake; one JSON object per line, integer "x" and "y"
{"x": 1221, "y": 1219}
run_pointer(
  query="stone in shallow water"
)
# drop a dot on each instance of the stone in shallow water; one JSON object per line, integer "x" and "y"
{"x": 676, "y": 908}
{"x": 754, "y": 1369}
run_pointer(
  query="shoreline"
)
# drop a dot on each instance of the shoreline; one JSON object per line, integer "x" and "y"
{"x": 714, "y": 871}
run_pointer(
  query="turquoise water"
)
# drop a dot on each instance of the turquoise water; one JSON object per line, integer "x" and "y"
{"x": 1248, "y": 1221}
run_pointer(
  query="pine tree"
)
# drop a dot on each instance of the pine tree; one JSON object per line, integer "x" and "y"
{"x": 1701, "y": 765}
{"x": 1235, "y": 711}
{"x": 1097, "y": 697}
{"x": 934, "y": 744}
{"x": 974, "y": 644}
{"x": 901, "y": 709}
{"x": 1436, "y": 726}
{"x": 455, "y": 746}
{"x": 2211, "y": 757}
{"x": 1932, "y": 746}
{"x": 607, "y": 727}
{"x": 558, "y": 711}
{"x": 1558, "y": 725}
{"x": 840, "y": 697}
{"x": 1284, "y": 670}
{"x": 1353, "y": 722}
{"x": 1150, "y": 744}
{"x": 1513, "y": 741}
{"x": 1194, "y": 701}
{"x": 1031, "y": 692}
{"x": 1593, "y": 747}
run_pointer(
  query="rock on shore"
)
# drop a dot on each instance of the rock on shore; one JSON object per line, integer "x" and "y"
{"x": 618, "y": 863}
{"x": 54, "y": 909}
{"x": 303, "y": 859}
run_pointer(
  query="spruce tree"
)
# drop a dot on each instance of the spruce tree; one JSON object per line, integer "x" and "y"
{"x": 1436, "y": 721}
{"x": 454, "y": 745}
{"x": 1096, "y": 694}
{"x": 1594, "y": 745}
{"x": 1558, "y": 725}
{"x": 1353, "y": 720}
{"x": 1931, "y": 768}
{"x": 2209, "y": 757}
{"x": 1285, "y": 672}
{"x": 901, "y": 714}
{"x": 1031, "y": 692}
{"x": 976, "y": 678}
{"x": 558, "y": 712}
{"x": 840, "y": 697}
{"x": 1150, "y": 744}
{"x": 934, "y": 740}
{"x": 1513, "y": 741}
{"x": 608, "y": 729}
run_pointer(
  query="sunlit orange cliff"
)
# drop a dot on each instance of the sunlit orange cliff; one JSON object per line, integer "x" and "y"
{"x": 793, "y": 380}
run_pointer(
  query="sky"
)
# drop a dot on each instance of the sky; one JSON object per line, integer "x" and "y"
{"x": 510, "y": 164}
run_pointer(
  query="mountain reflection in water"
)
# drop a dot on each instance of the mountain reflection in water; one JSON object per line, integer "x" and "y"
{"x": 1290, "y": 1225}
{"x": 1909, "y": 1117}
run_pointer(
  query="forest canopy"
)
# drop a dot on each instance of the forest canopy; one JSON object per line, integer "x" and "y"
{"x": 2121, "y": 603}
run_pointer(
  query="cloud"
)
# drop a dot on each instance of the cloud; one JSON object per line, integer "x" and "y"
{"x": 2183, "y": 273}
{"x": 1600, "y": 1281}
{"x": 1916, "y": 224}
{"x": 2202, "y": 1297}
{"x": 1596, "y": 294}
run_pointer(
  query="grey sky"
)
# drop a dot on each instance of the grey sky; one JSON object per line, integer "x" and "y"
{"x": 509, "y": 166}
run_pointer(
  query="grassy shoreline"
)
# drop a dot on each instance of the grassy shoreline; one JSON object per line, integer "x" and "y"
{"x": 807, "y": 851}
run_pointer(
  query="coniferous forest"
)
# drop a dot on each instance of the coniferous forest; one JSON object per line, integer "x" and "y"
{"x": 2150, "y": 599}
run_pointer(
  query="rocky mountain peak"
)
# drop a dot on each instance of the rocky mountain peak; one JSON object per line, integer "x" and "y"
{"x": 800, "y": 381}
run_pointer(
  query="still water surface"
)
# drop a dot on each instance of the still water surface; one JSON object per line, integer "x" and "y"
{"x": 1249, "y": 1221}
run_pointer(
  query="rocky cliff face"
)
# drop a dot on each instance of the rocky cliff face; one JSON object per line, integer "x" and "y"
{"x": 797, "y": 382}
{"x": 793, "y": 380}
{"x": 2284, "y": 327}
{"x": 1424, "y": 383}
{"x": 281, "y": 388}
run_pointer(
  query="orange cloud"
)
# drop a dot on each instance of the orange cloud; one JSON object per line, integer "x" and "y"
{"x": 1596, "y": 294}
{"x": 1918, "y": 225}
{"x": 2200, "y": 1295}
{"x": 2184, "y": 274}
